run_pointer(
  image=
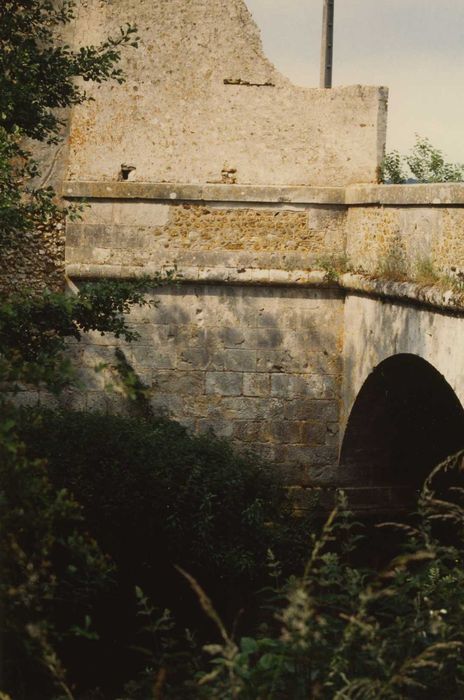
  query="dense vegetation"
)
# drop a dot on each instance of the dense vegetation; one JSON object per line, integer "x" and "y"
{"x": 46, "y": 558}
{"x": 346, "y": 630}
{"x": 376, "y": 610}
{"x": 153, "y": 497}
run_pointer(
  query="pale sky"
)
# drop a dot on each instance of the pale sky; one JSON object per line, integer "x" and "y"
{"x": 415, "y": 47}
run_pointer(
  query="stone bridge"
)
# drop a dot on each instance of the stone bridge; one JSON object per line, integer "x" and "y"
{"x": 319, "y": 326}
{"x": 317, "y": 314}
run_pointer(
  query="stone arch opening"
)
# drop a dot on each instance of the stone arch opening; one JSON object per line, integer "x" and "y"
{"x": 405, "y": 420}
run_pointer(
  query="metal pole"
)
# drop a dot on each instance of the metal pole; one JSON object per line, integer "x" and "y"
{"x": 327, "y": 43}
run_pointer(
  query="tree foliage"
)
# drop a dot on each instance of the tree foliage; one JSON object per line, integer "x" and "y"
{"x": 45, "y": 556}
{"x": 38, "y": 70}
{"x": 424, "y": 163}
{"x": 34, "y": 330}
{"x": 38, "y": 73}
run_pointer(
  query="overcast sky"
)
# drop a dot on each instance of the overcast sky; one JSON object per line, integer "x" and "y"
{"x": 415, "y": 47}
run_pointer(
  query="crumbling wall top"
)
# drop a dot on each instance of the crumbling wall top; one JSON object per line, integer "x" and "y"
{"x": 202, "y": 104}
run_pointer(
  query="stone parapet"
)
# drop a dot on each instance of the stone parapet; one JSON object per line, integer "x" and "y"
{"x": 169, "y": 192}
{"x": 404, "y": 235}
{"x": 220, "y": 240}
{"x": 427, "y": 194}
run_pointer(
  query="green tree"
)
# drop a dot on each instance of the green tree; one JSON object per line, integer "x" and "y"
{"x": 38, "y": 72}
{"x": 44, "y": 551}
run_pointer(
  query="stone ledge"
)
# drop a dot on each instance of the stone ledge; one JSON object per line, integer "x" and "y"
{"x": 252, "y": 276}
{"x": 407, "y": 292}
{"x": 440, "y": 194}
{"x": 432, "y": 194}
{"x": 431, "y": 296}
{"x": 204, "y": 193}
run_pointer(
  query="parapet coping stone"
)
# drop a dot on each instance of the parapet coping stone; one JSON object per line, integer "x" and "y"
{"x": 172, "y": 192}
{"x": 430, "y": 194}
{"x": 210, "y": 275}
{"x": 433, "y": 194}
{"x": 432, "y": 296}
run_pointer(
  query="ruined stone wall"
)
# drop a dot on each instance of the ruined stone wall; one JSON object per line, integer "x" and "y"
{"x": 34, "y": 261}
{"x": 202, "y": 103}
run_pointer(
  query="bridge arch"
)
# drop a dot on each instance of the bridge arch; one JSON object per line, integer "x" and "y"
{"x": 405, "y": 419}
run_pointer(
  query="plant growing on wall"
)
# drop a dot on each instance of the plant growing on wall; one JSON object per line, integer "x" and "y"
{"x": 424, "y": 163}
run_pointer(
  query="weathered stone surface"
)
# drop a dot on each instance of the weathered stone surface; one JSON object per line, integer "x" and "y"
{"x": 407, "y": 195}
{"x": 33, "y": 261}
{"x": 172, "y": 122}
{"x": 102, "y": 190}
{"x": 255, "y": 384}
{"x": 255, "y": 342}
{"x": 260, "y": 245}
{"x": 405, "y": 242}
{"x": 207, "y": 362}
{"x": 224, "y": 383}
{"x": 144, "y": 214}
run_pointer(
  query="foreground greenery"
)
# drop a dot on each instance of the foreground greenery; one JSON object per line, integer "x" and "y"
{"x": 155, "y": 497}
{"x": 46, "y": 558}
{"x": 347, "y": 630}
{"x": 48, "y": 561}
{"x": 97, "y": 510}
{"x": 376, "y": 612}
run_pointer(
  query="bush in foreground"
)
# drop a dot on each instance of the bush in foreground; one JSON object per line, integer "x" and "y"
{"x": 344, "y": 629}
{"x": 153, "y": 497}
{"x": 349, "y": 632}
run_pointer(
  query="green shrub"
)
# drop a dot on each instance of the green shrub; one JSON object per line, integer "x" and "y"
{"x": 392, "y": 169}
{"x": 52, "y": 573}
{"x": 155, "y": 496}
{"x": 147, "y": 482}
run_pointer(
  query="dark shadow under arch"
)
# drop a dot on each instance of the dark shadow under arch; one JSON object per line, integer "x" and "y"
{"x": 405, "y": 420}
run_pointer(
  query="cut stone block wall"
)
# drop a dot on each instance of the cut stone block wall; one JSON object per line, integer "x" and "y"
{"x": 254, "y": 342}
{"x": 261, "y": 366}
